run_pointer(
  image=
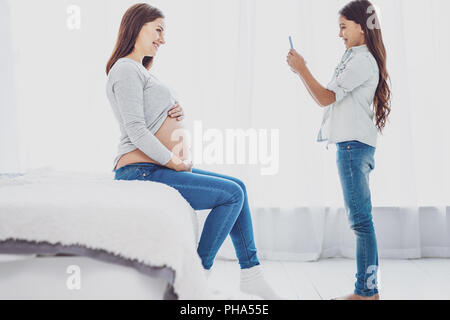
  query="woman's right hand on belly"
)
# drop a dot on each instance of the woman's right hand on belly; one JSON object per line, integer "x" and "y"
{"x": 179, "y": 165}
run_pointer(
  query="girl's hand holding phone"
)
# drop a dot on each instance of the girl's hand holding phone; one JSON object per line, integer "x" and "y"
{"x": 296, "y": 61}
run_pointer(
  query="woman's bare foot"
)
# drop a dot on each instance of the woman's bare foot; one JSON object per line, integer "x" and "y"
{"x": 358, "y": 297}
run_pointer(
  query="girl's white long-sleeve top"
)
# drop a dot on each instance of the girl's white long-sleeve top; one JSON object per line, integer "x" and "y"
{"x": 351, "y": 117}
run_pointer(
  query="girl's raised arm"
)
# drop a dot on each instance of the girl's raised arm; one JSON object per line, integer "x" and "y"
{"x": 320, "y": 94}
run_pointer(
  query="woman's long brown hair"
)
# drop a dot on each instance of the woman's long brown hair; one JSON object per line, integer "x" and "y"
{"x": 363, "y": 13}
{"x": 130, "y": 27}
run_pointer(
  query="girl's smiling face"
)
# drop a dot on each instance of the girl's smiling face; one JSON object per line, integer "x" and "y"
{"x": 351, "y": 33}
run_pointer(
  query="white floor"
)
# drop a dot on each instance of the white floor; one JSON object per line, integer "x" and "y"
{"x": 421, "y": 279}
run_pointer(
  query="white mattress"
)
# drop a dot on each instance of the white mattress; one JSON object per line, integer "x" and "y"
{"x": 144, "y": 225}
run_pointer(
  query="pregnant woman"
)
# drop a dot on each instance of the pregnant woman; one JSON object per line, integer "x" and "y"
{"x": 359, "y": 81}
{"x": 154, "y": 147}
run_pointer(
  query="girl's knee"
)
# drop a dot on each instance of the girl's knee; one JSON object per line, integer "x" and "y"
{"x": 364, "y": 225}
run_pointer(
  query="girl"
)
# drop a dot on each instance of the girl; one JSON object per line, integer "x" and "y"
{"x": 359, "y": 80}
{"x": 148, "y": 150}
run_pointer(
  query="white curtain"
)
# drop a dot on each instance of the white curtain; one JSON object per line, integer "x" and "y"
{"x": 225, "y": 60}
{"x": 9, "y": 155}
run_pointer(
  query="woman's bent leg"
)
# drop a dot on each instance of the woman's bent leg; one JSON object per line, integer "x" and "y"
{"x": 223, "y": 196}
{"x": 252, "y": 280}
{"x": 242, "y": 232}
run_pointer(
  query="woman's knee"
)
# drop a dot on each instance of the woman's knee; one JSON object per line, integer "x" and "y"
{"x": 240, "y": 183}
{"x": 234, "y": 191}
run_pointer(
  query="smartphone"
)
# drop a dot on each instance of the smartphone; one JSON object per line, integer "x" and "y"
{"x": 290, "y": 42}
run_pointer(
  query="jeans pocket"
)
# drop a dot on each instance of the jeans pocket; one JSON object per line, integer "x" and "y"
{"x": 125, "y": 174}
{"x": 144, "y": 172}
{"x": 120, "y": 175}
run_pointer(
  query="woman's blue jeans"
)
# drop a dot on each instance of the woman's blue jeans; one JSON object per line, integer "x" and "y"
{"x": 226, "y": 196}
{"x": 355, "y": 161}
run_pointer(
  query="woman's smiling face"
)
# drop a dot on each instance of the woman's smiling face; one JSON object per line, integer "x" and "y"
{"x": 151, "y": 37}
{"x": 351, "y": 33}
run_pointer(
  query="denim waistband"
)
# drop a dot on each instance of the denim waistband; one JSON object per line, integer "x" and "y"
{"x": 139, "y": 164}
{"x": 354, "y": 144}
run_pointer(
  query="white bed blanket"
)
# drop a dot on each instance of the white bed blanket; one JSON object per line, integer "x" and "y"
{"x": 137, "y": 220}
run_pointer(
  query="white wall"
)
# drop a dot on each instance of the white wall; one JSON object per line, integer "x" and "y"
{"x": 9, "y": 155}
{"x": 225, "y": 59}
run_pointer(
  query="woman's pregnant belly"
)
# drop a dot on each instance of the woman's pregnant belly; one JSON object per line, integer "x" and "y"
{"x": 172, "y": 135}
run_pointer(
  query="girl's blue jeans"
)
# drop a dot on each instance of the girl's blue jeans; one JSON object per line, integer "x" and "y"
{"x": 226, "y": 196}
{"x": 355, "y": 161}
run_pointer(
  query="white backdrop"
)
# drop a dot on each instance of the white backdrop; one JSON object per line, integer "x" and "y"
{"x": 9, "y": 155}
{"x": 225, "y": 60}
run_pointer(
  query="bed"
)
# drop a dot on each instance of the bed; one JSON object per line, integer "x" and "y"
{"x": 114, "y": 233}
{"x": 32, "y": 277}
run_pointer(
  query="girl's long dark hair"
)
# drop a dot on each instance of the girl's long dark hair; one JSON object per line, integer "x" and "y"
{"x": 363, "y": 13}
{"x": 132, "y": 23}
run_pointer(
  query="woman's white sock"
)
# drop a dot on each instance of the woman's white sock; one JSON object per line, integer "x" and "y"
{"x": 207, "y": 273}
{"x": 253, "y": 282}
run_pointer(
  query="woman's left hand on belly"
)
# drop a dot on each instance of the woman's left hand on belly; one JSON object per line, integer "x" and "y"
{"x": 176, "y": 112}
